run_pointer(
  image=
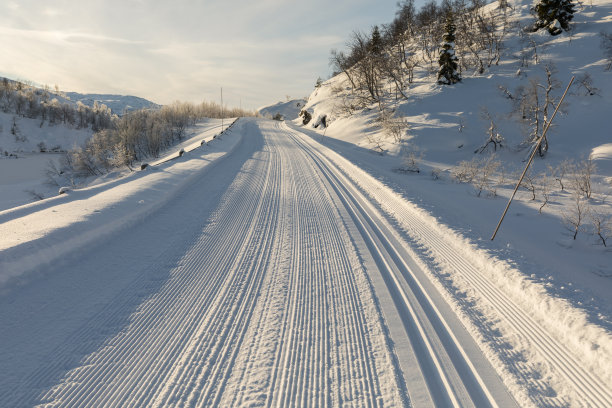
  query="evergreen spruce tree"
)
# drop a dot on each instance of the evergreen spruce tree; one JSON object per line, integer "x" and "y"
{"x": 448, "y": 74}
{"x": 554, "y": 15}
{"x": 376, "y": 43}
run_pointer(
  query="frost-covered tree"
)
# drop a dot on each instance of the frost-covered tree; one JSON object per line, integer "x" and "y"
{"x": 448, "y": 74}
{"x": 554, "y": 15}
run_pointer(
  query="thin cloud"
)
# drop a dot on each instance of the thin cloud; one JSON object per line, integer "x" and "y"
{"x": 184, "y": 50}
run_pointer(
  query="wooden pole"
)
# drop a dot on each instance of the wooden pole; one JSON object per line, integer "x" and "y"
{"x": 221, "y": 109}
{"x": 535, "y": 149}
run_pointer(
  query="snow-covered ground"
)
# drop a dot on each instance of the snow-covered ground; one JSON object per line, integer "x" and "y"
{"x": 22, "y": 178}
{"x": 283, "y": 265}
{"x": 265, "y": 269}
{"x": 23, "y": 167}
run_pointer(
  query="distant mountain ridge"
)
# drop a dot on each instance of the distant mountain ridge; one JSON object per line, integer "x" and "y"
{"x": 118, "y": 104}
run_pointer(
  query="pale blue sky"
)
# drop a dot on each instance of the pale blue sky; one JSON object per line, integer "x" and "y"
{"x": 259, "y": 51}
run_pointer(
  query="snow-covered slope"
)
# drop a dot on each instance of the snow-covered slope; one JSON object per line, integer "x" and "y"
{"x": 24, "y": 135}
{"x": 26, "y": 149}
{"x": 288, "y": 110}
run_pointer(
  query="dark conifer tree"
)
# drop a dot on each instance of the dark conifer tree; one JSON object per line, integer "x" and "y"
{"x": 448, "y": 74}
{"x": 376, "y": 43}
{"x": 554, "y": 15}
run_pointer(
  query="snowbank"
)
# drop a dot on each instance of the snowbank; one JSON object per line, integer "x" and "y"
{"x": 36, "y": 234}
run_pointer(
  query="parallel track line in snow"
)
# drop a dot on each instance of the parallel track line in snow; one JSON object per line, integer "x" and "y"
{"x": 296, "y": 381}
{"x": 590, "y": 389}
{"x": 171, "y": 329}
{"x": 263, "y": 306}
{"x": 385, "y": 253}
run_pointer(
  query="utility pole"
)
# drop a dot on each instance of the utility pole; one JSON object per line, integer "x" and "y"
{"x": 535, "y": 149}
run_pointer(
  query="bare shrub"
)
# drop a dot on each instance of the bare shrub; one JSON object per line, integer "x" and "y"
{"x": 393, "y": 125}
{"x": 411, "y": 159}
{"x": 535, "y": 104}
{"x": 53, "y": 174}
{"x": 480, "y": 172}
{"x": 465, "y": 171}
{"x": 546, "y": 187}
{"x": 581, "y": 177}
{"x": 436, "y": 173}
{"x": 601, "y": 224}
{"x": 484, "y": 180}
{"x": 559, "y": 172}
{"x": 15, "y": 131}
{"x": 494, "y": 137}
{"x": 576, "y": 214}
{"x": 529, "y": 184}
{"x": 585, "y": 82}
{"x": 377, "y": 140}
{"x": 345, "y": 106}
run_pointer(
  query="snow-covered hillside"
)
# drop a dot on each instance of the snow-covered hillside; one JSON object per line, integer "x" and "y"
{"x": 24, "y": 135}
{"x": 287, "y": 110}
{"x": 28, "y": 149}
{"x": 448, "y": 125}
{"x": 450, "y": 122}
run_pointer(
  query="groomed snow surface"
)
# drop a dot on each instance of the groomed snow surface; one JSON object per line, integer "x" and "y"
{"x": 264, "y": 269}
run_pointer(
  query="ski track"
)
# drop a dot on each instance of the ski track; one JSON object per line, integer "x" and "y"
{"x": 268, "y": 305}
{"x": 586, "y": 386}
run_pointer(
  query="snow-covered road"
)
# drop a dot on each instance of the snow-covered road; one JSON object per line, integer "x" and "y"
{"x": 269, "y": 279}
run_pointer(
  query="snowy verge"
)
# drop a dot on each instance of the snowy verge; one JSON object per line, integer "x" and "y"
{"x": 37, "y": 234}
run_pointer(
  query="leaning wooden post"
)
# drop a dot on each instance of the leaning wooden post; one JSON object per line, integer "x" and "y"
{"x": 535, "y": 149}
